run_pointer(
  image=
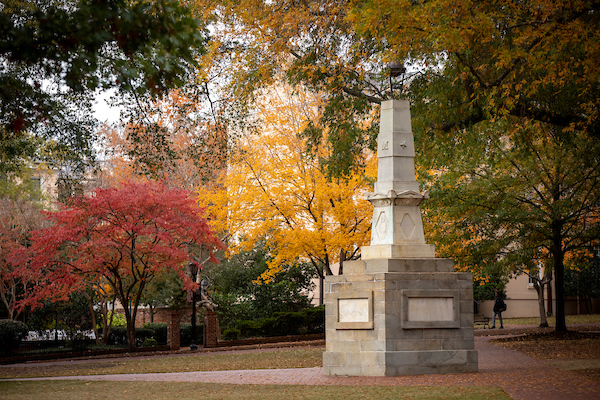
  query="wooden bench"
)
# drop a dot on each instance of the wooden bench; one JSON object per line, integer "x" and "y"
{"x": 480, "y": 319}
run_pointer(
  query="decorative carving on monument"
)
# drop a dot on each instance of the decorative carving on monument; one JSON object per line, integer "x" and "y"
{"x": 398, "y": 310}
{"x": 396, "y": 191}
{"x": 382, "y": 226}
{"x": 407, "y": 226}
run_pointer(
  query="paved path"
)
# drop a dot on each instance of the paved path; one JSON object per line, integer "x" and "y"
{"x": 520, "y": 376}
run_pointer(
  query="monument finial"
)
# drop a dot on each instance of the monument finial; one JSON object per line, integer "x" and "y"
{"x": 396, "y": 68}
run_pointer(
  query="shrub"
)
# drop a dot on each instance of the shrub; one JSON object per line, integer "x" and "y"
{"x": 186, "y": 334}
{"x": 185, "y": 331}
{"x": 11, "y": 334}
{"x": 160, "y": 331}
{"x": 315, "y": 319}
{"x": 311, "y": 320}
{"x": 231, "y": 334}
{"x": 118, "y": 335}
{"x": 156, "y": 331}
{"x": 149, "y": 342}
{"x": 248, "y": 328}
{"x": 239, "y": 296}
{"x": 78, "y": 341}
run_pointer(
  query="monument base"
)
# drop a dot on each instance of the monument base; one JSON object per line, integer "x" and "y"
{"x": 398, "y": 363}
{"x": 393, "y": 251}
{"x": 389, "y": 317}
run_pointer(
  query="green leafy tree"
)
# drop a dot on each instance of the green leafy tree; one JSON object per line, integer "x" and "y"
{"x": 310, "y": 45}
{"x": 468, "y": 61}
{"x": 165, "y": 290}
{"x": 511, "y": 204}
{"x": 72, "y": 316}
{"x": 239, "y": 295}
{"x": 511, "y": 87}
{"x": 55, "y": 54}
{"x": 584, "y": 282}
{"x": 514, "y": 71}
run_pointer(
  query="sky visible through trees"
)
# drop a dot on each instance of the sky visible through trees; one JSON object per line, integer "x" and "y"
{"x": 491, "y": 85}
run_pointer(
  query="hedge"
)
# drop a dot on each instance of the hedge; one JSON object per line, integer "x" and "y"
{"x": 11, "y": 334}
{"x": 118, "y": 335}
{"x": 311, "y": 320}
{"x": 185, "y": 330}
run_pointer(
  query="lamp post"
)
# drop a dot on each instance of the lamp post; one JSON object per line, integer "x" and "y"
{"x": 193, "y": 272}
{"x": 396, "y": 68}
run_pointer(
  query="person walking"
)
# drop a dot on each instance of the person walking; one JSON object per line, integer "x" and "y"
{"x": 499, "y": 307}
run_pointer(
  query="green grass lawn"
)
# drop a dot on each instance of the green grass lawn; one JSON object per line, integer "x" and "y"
{"x": 76, "y": 390}
{"x": 535, "y": 321}
{"x": 571, "y": 320}
{"x": 295, "y": 358}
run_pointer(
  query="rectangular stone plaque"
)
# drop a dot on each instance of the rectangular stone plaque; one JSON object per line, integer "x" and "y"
{"x": 430, "y": 309}
{"x": 353, "y": 310}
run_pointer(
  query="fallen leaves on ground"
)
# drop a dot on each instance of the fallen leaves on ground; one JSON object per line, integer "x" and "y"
{"x": 561, "y": 350}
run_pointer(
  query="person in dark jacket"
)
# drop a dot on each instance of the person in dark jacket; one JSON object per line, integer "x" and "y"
{"x": 499, "y": 306}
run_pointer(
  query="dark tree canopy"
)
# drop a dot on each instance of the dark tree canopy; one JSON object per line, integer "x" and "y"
{"x": 55, "y": 54}
{"x": 469, "y": 61}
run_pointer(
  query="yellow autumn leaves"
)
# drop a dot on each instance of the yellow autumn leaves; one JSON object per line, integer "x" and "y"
{"x": 274, "y": 190}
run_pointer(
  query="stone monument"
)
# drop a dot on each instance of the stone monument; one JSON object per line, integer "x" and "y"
{"x": 398, "y": 310}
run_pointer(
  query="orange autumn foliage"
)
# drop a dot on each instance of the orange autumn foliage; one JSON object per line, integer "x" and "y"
{"x": 175, "y": 142}
{"x": 274, "y": 190}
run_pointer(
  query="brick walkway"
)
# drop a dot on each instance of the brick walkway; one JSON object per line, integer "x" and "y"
{"x": 520, "y": 376}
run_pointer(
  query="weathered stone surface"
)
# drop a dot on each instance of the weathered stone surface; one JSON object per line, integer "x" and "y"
{"x": 354, "y": 267}
{"x": 419, "y": 313}
{"x": 331, "y": 358}
{"x": 399, "y": 350}
{"x": 416, "y": 344}
{"x": 458, "y": 344}
{"x": 378, "y": 251}
{"x": 444, "y": 265}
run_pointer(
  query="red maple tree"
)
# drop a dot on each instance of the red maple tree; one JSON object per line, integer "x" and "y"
{"x": 122, "y": 236}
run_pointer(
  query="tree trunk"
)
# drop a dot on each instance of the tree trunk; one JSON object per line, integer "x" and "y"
{"x": 130, "y": 318}
{"x": 90, "y": 298}
{"x": 320, "y": 268}
{"x": 321, "y": 289}
{"x": 130, "y": 333}
{"x": 106, "y": 323}
{"x": 559, "y": 275}
{"x": 539, "y": 288}
{"x": 9, "y": 301}
{"x": 7, "y": 304}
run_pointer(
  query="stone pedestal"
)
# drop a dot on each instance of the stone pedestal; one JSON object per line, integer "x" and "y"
{"x": 399, "y": 310}
{"x": 389, "y": 317}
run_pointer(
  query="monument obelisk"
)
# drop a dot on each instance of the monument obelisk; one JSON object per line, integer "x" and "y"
{"x": 398, "y": 310}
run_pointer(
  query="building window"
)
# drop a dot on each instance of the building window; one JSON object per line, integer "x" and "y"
{"x": 36, "y": 183}
{"x": 36, "y": 186}
{"x": 539, "y": 275}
